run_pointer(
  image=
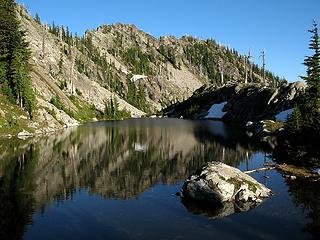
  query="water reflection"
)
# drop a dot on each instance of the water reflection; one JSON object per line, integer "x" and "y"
{"x": 16, "y": 190}
{"x": 122, "y": 159}
{"x": 215, "y": 211}
{"x": 115, "y": 160}
{"x": 307, "y": 198}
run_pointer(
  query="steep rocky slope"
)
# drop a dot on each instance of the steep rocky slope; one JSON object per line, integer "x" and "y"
{"x": 171, "y": 69}
{"x": 73, "y": 77}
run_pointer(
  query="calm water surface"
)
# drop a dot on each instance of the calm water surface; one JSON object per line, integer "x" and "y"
{"x": 117, "y": 180}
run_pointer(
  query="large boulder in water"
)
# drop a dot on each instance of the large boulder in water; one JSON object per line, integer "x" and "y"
{"x": 217, "y": 182}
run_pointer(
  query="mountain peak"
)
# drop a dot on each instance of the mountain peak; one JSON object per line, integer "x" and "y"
{"x": 79, "y": 78}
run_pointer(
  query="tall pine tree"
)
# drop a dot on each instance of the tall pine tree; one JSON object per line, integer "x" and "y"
{"x": 14, "y": 58}
{"x": 300, "y": 140}
{"x": 313, "y": 72}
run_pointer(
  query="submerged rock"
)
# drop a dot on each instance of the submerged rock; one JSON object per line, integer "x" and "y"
{"x": 219, "y": 183}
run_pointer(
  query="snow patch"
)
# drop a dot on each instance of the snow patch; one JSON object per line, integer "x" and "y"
{"x": 140, "y": 147}
{"x": 216, "y": 111}
{"x": 124, "y": 71}
{"x": 138, "y": 77}
{"x": 283, "y": 116}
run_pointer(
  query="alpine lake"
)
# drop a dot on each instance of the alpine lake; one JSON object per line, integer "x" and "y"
{"x": 119, "y": 179}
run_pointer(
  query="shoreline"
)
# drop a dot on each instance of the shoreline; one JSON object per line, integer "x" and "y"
{"x": 288, "y": 170}
{"x": 23, "y": 135}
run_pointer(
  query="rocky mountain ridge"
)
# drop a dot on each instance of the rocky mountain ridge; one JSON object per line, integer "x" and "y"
{"x": 74, "y": 78}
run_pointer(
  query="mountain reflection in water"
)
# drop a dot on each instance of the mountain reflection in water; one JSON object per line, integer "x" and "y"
{"x": 114, "y": 160}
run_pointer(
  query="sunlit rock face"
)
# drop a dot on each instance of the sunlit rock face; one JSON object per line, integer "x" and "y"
{"x": 219, "y": 183}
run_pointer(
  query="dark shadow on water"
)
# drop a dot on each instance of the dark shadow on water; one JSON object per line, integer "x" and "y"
{"x": 306, "y": 196}
{"x": 17, "y": 207}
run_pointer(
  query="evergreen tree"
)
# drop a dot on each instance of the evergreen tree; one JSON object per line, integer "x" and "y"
{"x": 3, "y": 70}
{"x": 313, "y": 72}
{"x": 115, "y": 105}
{"x": 112, "y": 110}
{"x": 141, "y": 98}
{"x": 37, "y": 18}
{"x": 22, "y": 83}
{"x": 107, "y": 111}
{"x": 300, "y": 140}
{"x": 9, "y": 33}
{"x": 307, "y": 113}
{"x": 14, "y": 56}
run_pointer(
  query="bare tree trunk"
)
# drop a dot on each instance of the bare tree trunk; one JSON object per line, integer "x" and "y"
{"x": 19, "y": 100}
{"x": 90, "y": 90}
{"x": 259, "y": 170}
{"x": 60, "y": 33}
{"x": 250, "y": 65}
{"x": 222, "y": 80}
{"x": 43, "y": 43}
{"x": 221, "y": 72}
{"x": 245, "y": 70}
{"x": 223, "y": 154}
{"x": 264, "y": 65}
{"x": 71, "y": 71}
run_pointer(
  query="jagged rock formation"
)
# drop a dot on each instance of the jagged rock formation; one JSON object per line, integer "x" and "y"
{"x": 241, "y": 102}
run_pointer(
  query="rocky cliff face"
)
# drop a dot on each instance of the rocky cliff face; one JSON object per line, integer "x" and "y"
{"x": 240, "y": 102}
{"x": 120, "y": 62}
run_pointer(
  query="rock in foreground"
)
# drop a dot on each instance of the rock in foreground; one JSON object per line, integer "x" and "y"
{"x": 219, "y": 183}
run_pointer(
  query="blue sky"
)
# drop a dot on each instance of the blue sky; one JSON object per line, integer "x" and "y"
{"x": 277, "y": 26}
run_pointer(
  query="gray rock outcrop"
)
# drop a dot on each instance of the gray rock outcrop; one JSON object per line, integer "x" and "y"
{"x": 244, "y": 102}
{"x": 219, "y": 183}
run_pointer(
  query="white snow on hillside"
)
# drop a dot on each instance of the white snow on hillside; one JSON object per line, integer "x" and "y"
{"x": 138, "y": 77}
{"x": 216, "y": 111}
{"x": 283, "y": 116}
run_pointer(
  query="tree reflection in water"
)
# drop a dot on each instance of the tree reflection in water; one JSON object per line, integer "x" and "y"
{"x": 306, "y": 196}
{"x": 116, "y": 160}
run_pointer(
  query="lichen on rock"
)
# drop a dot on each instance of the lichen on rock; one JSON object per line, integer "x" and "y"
{"x": 219, "y": 183}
